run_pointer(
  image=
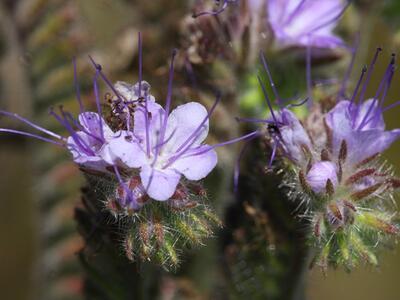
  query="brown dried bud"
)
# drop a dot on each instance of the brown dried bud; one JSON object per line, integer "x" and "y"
{"x": 365, "y": 192}
{"x": 325, "y": 155}
{"x": 330, "y": 189}
{"x": 359, "y": 175}
{"x": 343, "y": 151}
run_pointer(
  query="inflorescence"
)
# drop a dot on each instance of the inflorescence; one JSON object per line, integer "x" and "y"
{"x": 151, "y": 158}
{"x": 332, "y": 165}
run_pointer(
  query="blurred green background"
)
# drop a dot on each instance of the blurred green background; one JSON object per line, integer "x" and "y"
{"x": 38, "y": 39}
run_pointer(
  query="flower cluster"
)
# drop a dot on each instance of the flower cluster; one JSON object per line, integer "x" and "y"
{"x": 147, "y": 160}
{"x": 298, "y": 23}
{"x": 334, "y": 168}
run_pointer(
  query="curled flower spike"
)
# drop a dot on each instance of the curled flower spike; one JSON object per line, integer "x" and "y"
{"x": 334, "y": 169}
{"x": 305, "y": 22}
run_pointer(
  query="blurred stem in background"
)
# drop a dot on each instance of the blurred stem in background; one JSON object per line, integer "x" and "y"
{"x": 18, "y": 227}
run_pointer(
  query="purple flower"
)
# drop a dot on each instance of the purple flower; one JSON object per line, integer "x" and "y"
{"x": 89, "y": 145}
{"x": 364, "y": 133}
{"x": 292, "y": 136}
{"x": 361, "y": 123}
{"x": 305, "y": 22}
{"x": 166, "y": 150}
{"x": 320, "y": 173}
{"x": 88, "y": 136}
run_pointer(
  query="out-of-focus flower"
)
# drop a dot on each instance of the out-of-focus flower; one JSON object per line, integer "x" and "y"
{"x": 305, "y": 22}
{"x": 297, "y": 23}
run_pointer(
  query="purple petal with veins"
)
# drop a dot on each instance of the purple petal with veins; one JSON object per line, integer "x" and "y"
{"x": 305, "y": 22}
{"x": 361, "y": 142}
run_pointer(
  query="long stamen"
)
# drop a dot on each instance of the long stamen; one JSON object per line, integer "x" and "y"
{"x": 32, "y": 136}
{"x": 196, "y": 132}
{"x": 369, "y": 74}
{"x": 267, "y": 99}
{"x": 209, "y": 148}
{"x": 169, "y": 98}
{"x": 96, "y": 95}
{"x": 391, "y": 106}
{"x": 388, "y": 84}
{"x": 379, "y": 110}
{"x": 80, "y": 127}
{"x": 385, "y": 80}
{"x": 77, "y": 89}
{"x": 140, "y": 63}
{"x": 82, "y": 144}
{"x": 346, "y": 78}
{"x": 105, "y": 79}
{"x": 308, "y": 73}
{"x": 253, "y": 120}
{"x": 366, "y": 83}
{"x": 166, "y": 140}
{"x": 236, "y": 171}
{"x": 353, "y": 97}
{"x": 271, "y": 160}
{"x": 271, "y": 82}
{"x": 18, "y": 117}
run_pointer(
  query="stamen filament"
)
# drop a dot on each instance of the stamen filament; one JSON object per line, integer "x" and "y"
{"x": 209, "y": 148}
{"x": 168, "y": 99}
{"x": 96, "y": 96}
{"x": 77, "y": 89}
{"x": 196, "y": 132}
{"x": 18, "y": 117}
{"x": 271, "y": 82}
{"x": 32, "y": 136}
{"x": 346, "y": 78}
{"x": 267, "y": 99}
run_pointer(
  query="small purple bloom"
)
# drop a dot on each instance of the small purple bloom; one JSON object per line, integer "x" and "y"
{"x": 320, "y": 173}
{"x": 360, "y": 123}
{"x": 364, "y": 138}
{"x": 89, "y": 145}
{"x": 292, "y": 136}
{"x": 305, "y": 22}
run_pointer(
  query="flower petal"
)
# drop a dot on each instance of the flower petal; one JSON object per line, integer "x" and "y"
{"x": 294, "y": 21}
{"x": 196, "y": 166}
{"x": 125, "y": 148}
{"x": 293, "y": 135}
{"x": 155, "y": 114}
{"x": 80, "y": 157}
{"x": 90, "y": 121}
{"x": 364, "y": 144}
{"x": 159, "y": 184}
{"x": 183, "y": 122}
